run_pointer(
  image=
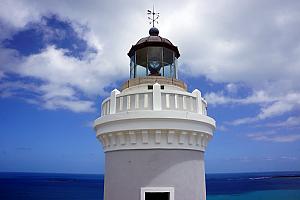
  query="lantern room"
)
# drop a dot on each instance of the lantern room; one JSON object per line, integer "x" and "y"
{"x": 153, "y": 56}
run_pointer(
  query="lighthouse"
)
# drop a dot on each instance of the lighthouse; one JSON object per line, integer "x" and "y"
{"x": 153, "y": 131}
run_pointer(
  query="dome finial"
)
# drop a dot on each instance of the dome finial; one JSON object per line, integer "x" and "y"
{"x": 153, "y": 31}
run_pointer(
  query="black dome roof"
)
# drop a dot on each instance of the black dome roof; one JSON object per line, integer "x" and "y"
{"x": 153, "y": 40}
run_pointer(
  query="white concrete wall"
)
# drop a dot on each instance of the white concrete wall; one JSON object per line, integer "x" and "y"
{"x": 127, "y": 171}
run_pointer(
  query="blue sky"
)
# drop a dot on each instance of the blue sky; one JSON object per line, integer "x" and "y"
{"x": 59, "y": 60}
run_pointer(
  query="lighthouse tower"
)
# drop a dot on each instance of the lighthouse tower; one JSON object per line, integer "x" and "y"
{"x": 153, "y": 131}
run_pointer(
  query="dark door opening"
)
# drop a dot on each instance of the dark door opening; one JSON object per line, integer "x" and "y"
{"x": 157, "y": 195}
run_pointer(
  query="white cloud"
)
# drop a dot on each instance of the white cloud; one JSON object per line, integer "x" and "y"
{"x": 90, "y": 74}
{"x": 64, "y": 80}
{"x": 222, "y": 128}
{"x": 272, "y": 110}
{"x": 245, "y": 120}
{"x": 218, "y": 98}
{"x": 232, "y": 88}
{"x": 17, "y": 13}
{"x": 289, "y": 122}
{"x": 275, "y": 109}
{"x": 270, "y": 106}
{"x": 59, "y": 96}
{"x": 47, "y": 96}
{"x": 70, "y": 104}
{"x": 254, "y": 45}
{"x": 274, "y": 137}
{"x": 258, "y": 97}
{"x": 12, "y": 88}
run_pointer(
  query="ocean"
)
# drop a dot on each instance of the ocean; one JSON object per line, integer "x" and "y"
{"x": 242, "y": 186}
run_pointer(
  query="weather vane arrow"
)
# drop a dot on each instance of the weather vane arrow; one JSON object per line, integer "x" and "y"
{"x": 154, "y": 17}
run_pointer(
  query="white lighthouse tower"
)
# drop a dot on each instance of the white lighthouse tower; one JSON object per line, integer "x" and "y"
{"x": 153, "y": 131}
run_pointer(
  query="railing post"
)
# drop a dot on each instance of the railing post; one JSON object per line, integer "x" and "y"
{"x": 113, "y": 101}
{"x": 156, "y": 97}
{"x": 199, "y": 108}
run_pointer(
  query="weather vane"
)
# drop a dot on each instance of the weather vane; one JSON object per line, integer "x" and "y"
{"x": 155, "y": 16}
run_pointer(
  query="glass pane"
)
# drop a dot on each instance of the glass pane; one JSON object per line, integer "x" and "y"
{"x": 168, "y": 56}
{"x": 141, "y": 57}
{"x": 140, "y": 71}
{"x": 161, "y": 71}
{"x": 154, "y": 60}
{"x": 141, "y": 62}
{"x": 168, "y": 62}
{"x": 173, "y": 71}
{"x": 175, "y": 67}
{"x": 132, "y": 67}
{"x": 167, "y": 71}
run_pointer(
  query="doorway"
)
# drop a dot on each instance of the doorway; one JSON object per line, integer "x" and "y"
{"x": 157, "y": 196}
{"x": 157, "y": 193}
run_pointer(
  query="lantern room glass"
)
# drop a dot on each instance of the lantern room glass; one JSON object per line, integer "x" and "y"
{"x": 132, "y": 64}
{"x": 141, "y": 63}
{"x": 153, "y": 61}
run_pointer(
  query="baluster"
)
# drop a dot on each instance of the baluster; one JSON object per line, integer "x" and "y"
{"x": 136, "y": 101}
{"x": 184, "y": 102}
{"x": 145, "y": 100}
{"x": 128, "y": 102}
{"x": 121, "y": 103}
{"x": 167, "y": 100}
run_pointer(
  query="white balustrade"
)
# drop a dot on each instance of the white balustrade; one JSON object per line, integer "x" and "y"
{"x": 156, "y": 99}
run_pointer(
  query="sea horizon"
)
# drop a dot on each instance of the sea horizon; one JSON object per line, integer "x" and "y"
{"x": 220, "y": 186}
{"x": 77, "y": 173}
